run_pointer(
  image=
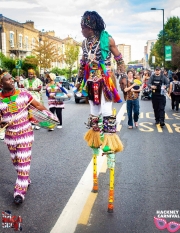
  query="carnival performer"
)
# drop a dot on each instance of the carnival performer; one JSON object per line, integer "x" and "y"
{"x": 99, "y": 84}
{"x": 19, "y": 134}
{"x": 34, "y": 85}
{"x": 55, "y": 105}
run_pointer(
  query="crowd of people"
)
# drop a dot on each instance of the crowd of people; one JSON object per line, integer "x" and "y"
{"x": 156, "y": 85}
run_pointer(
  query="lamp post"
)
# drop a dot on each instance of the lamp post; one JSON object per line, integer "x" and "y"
{"x": 155, "y": 9}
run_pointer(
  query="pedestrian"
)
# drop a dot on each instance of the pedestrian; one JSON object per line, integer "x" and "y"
{"x": 19, "y": 134}
{"x": 178, "y": 74}
{"x": 158, "y": 84}
{"x": 55, "y": 105}
{"x": 132, "y": 100}
{"x": 34, "y": 85}
{"x": 174, "y": 92}
{"x": 145, "y": 78}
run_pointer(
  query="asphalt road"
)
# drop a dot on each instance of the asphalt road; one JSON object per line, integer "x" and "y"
{"x": 147, "y": 175}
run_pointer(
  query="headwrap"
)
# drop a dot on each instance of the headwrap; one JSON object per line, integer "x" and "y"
{"x": 31, "y": 70}
{"x": 88, "y": 21}
{"x": 52, "y": 76}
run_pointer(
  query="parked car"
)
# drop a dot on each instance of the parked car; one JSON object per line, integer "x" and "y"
{"x": 77, "y": 95}
{"x": 63, "y": 81}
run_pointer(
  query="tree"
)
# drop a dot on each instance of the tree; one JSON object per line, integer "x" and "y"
{"x": 171, "y": 36}
{"x": 2, "y": 57}
{"x": 29, "y": 62}
{"x": 9, "y": 64}
{"x": 46, "y": 52}
{"x": 71, "y": 56}
{"x": 175, "y": 56}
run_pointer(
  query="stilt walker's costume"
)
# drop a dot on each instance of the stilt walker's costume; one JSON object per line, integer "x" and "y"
{"x": 98, "y": 85}
{"x": 19, "y": 136}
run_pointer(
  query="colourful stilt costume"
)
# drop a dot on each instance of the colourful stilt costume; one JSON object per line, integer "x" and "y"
{"x": 98, "y": 85}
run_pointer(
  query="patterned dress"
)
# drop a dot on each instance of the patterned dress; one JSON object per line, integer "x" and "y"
{"x": 52, "y": 89}
{"x": 18, "y": 136}
{"x": 34, "y": 83}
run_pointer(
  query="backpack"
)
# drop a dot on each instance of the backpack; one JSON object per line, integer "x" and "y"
{"x": 176, "y": 88}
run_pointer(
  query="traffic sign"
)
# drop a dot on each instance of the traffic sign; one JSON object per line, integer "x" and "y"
{"x": 18, "y": 64}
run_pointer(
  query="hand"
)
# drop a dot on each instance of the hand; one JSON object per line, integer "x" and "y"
{"x": 30, "y": 89}
{"x": 153, "y": 87}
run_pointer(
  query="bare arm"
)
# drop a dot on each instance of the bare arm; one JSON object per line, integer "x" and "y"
{"x": 116, "y": 53}
{"x": 38, "y": 105}
{"x": 170, "y": 88}
{"x": 113, "y": 47}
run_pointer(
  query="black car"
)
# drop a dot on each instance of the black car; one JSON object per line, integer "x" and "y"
{"x": 63, "y": 81}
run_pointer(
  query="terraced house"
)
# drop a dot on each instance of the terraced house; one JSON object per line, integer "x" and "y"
{"x": 17, "y": 40}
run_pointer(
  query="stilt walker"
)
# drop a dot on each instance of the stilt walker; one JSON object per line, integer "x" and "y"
{"x": 99, "y": 85}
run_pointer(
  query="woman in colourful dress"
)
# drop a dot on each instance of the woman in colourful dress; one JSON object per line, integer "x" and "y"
{"x": 19, "y": 134}
{"x": 55, "y": 105}
{"x": 34, "y": 85}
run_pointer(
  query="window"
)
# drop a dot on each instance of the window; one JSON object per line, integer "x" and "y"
{"x": 33, "y": 43}
{"x": 26, "y": 42}
{"x": 11, "y": 39}
{"x": 152, "y": 45}
{"x": 20, "y": 40}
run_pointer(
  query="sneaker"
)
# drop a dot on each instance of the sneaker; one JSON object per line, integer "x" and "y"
{"x": 37, "y": 127}
{"x": 59, "y": 126}
{"x": 50, "y": 129}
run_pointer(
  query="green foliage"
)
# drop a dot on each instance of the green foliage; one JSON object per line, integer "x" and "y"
{"x": 15, "y": 72}
{"x": 71, "y": 56}
{"x": 9, "y": 64}
{"x": 171, "y": 37}
{"x": 133, "y": 62}
{"x": 30, "y": 62}
{"x": 64, "y": 72}
{"x": 2, "y": 57}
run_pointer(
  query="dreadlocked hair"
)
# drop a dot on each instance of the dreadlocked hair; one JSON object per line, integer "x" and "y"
{"x": 96, "y": 21}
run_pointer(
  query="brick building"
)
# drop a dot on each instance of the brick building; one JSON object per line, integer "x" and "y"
{"x": 17, "y": 40}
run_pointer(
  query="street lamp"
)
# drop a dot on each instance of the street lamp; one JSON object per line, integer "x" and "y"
{"x": 155, "y": 9}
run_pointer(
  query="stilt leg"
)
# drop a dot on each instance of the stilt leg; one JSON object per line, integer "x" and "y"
{"x": 95, "y": 178}
{"x": 111, "y": 166}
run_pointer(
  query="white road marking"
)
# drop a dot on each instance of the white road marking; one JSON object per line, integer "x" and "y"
{"x": 69, "y": 217}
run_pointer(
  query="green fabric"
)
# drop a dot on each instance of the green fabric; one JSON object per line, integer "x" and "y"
{"x": 104, "y": 44}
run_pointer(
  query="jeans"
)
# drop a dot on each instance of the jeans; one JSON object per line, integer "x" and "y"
{"x": 132, "y": 106}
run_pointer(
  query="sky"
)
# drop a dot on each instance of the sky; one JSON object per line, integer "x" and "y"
{"x": 129, "y": 22}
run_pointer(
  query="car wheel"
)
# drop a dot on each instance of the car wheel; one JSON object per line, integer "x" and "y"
{"x": 77, "y": 101}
